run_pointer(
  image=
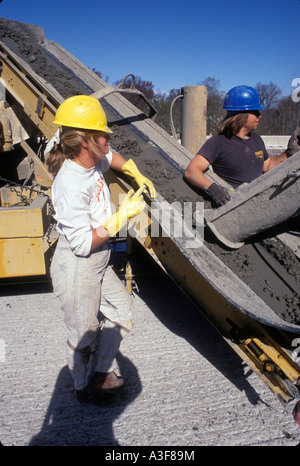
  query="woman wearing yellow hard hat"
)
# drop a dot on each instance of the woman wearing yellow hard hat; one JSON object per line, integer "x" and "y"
{"x": 96, "y": 305}
{"x": 82, "y": 111}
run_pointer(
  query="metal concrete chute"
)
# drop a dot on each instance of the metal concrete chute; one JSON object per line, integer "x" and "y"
{"x": 258, "y": 206}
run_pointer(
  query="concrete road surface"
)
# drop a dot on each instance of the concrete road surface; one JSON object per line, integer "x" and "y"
{"x": 184, "y": 385}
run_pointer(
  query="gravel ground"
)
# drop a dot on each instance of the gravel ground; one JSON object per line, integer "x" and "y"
{"x": 185, "y": 385}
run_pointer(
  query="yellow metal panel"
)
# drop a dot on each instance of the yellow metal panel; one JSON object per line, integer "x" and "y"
{"x": 22, "y": 257}
{"x": 10, "y": 195}
{"x": 24, "y": 221}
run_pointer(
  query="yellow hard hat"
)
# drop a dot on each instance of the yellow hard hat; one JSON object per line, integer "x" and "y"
{"x": 82, "y": 111}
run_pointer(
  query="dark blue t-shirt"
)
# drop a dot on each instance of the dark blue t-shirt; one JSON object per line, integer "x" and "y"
{"x": 234, "y": 159}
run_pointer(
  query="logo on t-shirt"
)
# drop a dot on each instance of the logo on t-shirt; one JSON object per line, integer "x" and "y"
{"x": 259, "y": 154}
{"x": 99, "y": 188}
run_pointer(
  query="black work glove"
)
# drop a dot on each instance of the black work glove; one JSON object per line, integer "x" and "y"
{"x": 218, "y": 193}
{"x": 293, "y": 144}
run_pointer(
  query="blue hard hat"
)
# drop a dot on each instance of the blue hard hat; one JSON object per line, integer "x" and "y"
{"x": 242, "y": 98}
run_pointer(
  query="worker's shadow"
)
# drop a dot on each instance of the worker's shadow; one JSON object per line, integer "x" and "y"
{"x": 70, "y": 423}
{"x": 180, "y": 316}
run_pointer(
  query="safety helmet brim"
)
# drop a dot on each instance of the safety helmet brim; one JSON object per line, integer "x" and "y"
{"x": 237, "y": 108}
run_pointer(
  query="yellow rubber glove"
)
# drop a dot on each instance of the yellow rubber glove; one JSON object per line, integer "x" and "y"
{"x": 132, "y": 205}
{"x": 130, "y": 168}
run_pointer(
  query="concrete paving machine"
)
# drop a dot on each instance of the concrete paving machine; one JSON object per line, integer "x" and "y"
{"x": 242, "y": 285}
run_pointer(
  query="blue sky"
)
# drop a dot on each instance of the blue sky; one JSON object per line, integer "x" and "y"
{"x": 175, "y": 43}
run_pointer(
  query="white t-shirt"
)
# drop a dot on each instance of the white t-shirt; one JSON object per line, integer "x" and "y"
{"x": 81, "y": 200}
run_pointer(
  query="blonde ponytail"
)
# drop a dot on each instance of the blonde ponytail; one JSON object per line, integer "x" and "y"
{"x": 55, "y": 159}
{"x": 70, "y": 147}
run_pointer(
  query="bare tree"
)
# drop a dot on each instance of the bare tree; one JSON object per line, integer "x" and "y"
{"x": 268, "y": 94}
{"x": 215, "y": 98}
{"x": 288, "y": 115}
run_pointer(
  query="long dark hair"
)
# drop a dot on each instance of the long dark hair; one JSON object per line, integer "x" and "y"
{"x": 232, "y": 124}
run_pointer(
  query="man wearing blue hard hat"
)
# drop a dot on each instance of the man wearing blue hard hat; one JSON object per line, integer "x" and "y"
{"x": 237, "y": 153}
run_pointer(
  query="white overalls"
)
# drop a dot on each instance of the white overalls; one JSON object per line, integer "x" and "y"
{"x": 96, "y": 305}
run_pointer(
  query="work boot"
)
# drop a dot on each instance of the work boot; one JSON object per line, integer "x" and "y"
{"x": 106, "y": 381}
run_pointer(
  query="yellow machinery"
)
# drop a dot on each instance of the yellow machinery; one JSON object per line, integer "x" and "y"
{"x": 238, "y": 311}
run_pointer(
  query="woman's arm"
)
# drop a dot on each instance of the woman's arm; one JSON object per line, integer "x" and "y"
{"x": 272, "y": 162}
{"x": 117, "y": 161}
{"x": 195, "y": 172}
